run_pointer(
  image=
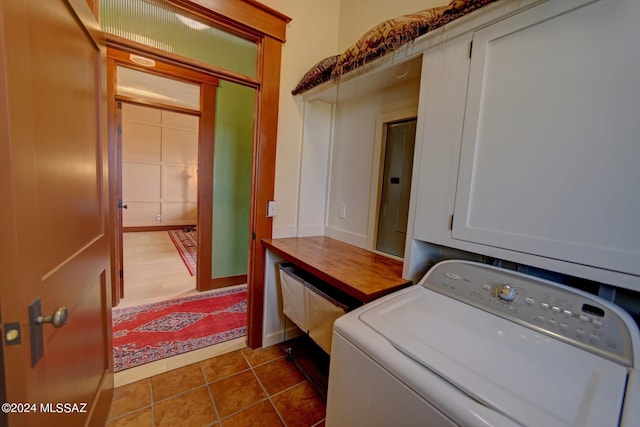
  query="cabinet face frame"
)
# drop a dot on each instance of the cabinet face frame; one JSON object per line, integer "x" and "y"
{"x": 571, "y": 233}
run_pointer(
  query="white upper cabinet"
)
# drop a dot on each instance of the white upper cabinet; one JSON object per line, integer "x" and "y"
{"x": 443, "y": 89}
{"x": 550, "y": 155}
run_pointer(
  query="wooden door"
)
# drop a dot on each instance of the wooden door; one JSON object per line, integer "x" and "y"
{"x": 53, "y": 215}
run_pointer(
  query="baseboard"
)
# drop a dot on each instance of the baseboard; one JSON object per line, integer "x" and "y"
{"x": 310, "y": 230}
{"x": 277, "y": 338}
{"x": 223, "y": 282}
{"x": 155, "y": 228}
{"x": 359, "y": 240}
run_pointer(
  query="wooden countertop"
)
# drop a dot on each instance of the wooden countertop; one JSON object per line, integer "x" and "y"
{"x": 362, "y": 274}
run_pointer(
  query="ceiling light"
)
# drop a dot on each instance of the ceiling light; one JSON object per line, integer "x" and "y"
{"x": 141, "y": 60}
{"x": 192, "y": 23}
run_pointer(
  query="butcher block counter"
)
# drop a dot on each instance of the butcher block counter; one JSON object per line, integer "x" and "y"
{"x": 362, "y": 274}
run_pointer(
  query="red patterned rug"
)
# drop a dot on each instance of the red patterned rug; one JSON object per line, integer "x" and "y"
{"x": 186, "y": 244}
{"x": 151, "y": 332}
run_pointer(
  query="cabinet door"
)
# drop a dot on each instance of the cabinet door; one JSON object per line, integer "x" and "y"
{"x": 550, "y": 146}
{"x": 443, "y": 87}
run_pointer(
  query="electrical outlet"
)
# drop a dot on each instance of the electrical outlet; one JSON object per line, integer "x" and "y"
{"x": 158, "y": 217}
{"x": 342, "y": 211}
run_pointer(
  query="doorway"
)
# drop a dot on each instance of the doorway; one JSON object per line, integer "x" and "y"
{"x": 393, "y": 211}
{"x": 159, "y": 198}
{"x": 159, "y": 87}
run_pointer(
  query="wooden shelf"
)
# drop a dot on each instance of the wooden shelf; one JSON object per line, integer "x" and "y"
{"x": 361, "y": 274}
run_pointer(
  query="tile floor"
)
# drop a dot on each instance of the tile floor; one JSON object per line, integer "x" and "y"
{"x": 241, "y": 388}
{"x": 223, "y": 385}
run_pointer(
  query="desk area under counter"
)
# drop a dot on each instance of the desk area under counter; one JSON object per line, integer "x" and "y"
{"x": 360, "y": 275}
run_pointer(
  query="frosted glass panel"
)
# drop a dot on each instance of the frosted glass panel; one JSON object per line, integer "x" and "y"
{"x": 150, "y": 87}
{"x": 163, "y": 26}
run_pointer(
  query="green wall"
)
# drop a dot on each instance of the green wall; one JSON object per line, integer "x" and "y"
{"x": 232, "y": 179}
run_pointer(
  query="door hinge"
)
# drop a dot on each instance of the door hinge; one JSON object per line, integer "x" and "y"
{"x": 121, "y": 274}
{"x": 119, "y": 130}
{"x": 253, "y": 235}
{"x": 470, "y": 48}
{"x": 451, "y": 222}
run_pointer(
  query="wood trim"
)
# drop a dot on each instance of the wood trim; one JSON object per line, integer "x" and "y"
{"x": 163, "y": 68}
{"x": 114, "y": 186}
{"x": 180, "y": 61}
{"x": 95, "y": 8}
{"x": 205, "y": 186}
{"x": 243, "y": 14}
{"x": 262, "y": 186}
{"x": 142, "y": 229}
{"x": 223, "y": 282}
{"x": 246, "y": 16}
{"x": 152, "y": 104}
{"x": 206, "y": 133}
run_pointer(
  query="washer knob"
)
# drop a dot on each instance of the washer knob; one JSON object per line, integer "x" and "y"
{"x": 507, "y": 292}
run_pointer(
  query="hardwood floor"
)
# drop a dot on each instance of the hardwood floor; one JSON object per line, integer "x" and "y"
{"x": 154, "y": 271}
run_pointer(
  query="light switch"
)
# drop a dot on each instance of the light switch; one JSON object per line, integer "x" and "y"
{"x": 272, "y": 207}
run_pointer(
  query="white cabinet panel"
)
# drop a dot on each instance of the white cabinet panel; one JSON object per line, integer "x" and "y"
{"x": 444, "y": 86}
{"x": 550, "y": 148}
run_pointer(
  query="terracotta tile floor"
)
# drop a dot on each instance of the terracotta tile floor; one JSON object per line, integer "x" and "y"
{"x": 242, "y": 388}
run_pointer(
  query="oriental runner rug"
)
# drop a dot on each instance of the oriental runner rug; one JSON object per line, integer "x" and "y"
{"x": 155, "y": 331}
{"x": 186, "y": 243}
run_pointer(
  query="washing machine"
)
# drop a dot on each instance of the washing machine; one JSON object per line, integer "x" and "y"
{"x": 476, "y": 345}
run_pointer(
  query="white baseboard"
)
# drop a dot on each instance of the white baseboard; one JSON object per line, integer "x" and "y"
{"x": 310, "y": 230}
{"x": 359, "y": 240}
{"x": 277, "y": 338}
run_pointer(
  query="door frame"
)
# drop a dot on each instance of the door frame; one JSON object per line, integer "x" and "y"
{"x": 377, "y": 171}
{"x": 206, "y": 114}
{"x": 267, "y": 28}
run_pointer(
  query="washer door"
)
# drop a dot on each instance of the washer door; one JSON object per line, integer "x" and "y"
{"x": 529, "y": 377}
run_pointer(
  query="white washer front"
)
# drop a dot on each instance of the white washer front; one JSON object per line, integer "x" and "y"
{"x": 453, "y": 351}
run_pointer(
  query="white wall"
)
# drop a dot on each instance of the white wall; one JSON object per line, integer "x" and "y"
{"x": 353, "y": 158}
{"x": 317, "y": 30}
{"x": 312, "y": 35}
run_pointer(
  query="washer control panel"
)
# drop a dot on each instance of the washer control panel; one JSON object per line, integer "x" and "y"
{"x": 574, "y": 316}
